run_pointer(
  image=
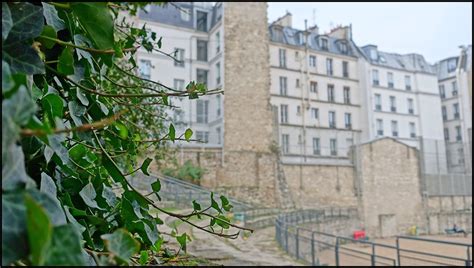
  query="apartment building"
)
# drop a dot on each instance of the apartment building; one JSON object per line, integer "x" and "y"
{"x": 314, "y": 92}
{"x": 454, "y": 76}
{"x": 192, "y": 34}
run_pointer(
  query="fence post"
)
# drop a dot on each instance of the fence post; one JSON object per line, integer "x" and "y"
{"x": 297, "y": 236}
{"x": 372, "y": 258}
{"x": 398, "y": 251}
{"x": 313, "y": 259}
{"x": 337, "y": 251}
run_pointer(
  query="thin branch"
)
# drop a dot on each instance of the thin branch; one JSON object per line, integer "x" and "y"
{"x": 89, "y": 49}
{"x": 95, "y": 125}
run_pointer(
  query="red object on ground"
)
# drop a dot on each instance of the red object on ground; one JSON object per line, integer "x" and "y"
{"x": 360, "y": 234}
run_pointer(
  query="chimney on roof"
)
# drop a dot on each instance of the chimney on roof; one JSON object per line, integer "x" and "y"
{"x": 341, "y": 32}
{"x": 285, "y": 21}
{"x": 314, "y": 29}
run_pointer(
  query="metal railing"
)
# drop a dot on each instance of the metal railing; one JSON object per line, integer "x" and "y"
{"x": 320, "y": 248}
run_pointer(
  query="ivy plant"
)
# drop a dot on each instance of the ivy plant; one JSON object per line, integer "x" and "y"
{"x": 76, "y": 119}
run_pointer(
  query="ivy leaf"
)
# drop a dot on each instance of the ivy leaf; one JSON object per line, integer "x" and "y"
{"x": 39, "y": 230}
{"x": 7, "y": 22}
{"x": 48, "y": 153}
{"x": 48, "y": 31}
{"x": 51, "y": 15}
{"x": 76, "y": 111}
{"x": 109, "y": 196}
{"x": 66, "y": 248}
{"x": 22, "y": 59}
{"x": 159, "y": 42}
{"x": 165, "y": 99}
{"x": 121, "y": 244}
{"x": 196, "y": 205}
{"x": 79, "y": 228}
{"x": 214, "y": 203}
{"x": 20, "y": 107}
{"x": 188, "y": 134}
{"x": 143, "y": 257}
{"x": 172, "y": 133}
{"x": 88, "y": 194}
{"x": 14, "y": 241}
{"x": 27, "y": 20}
{"x": 225, "y": 203}
{"x": 66, "y": 61}
{"x": 97, "y": 21}
{"x": 82, "y": 97}
{"x": 50, "y": 205}
{"x": 122, "y": 129}
{"x": 7, "y": 80}
{"x": 221, "y": 220}
{"x": 53, "y": 105}
{"x": 182, "y": 241}
{"x": 145, "y": 165}
{"x": 58, "y": 148}
{"x": 156, "y": 186}
{"x": 13, "y": 169}
{"x": 48, "y": 186}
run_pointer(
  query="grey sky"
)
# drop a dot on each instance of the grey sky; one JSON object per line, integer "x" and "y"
{"x": 434, "y": 30}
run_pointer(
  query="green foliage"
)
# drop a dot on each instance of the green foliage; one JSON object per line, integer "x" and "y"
{"x": 75, "y": 121}
{"x": 187, "y": 172}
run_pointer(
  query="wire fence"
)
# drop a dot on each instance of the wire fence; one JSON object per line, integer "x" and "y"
{"x": 320, "y": 248}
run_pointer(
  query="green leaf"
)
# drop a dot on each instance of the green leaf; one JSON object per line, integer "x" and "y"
{"x": 76, "y": 111}
{"x": 14, "y": 239}
{"x": 48, "y": 31}
{"x": 165, "y": 100}
{"x": 145, "y": 166}
{"x": 214, "y": 203}
{"x": 112, "y": 169}
{"x": 196, "y": 206}
{"x": 7, "y": 22}
{"x": 123, "y": 131}
{"x": 82, "y": 97}
{"x": 172, "y": 133}
{"x": 66, "y": 61}
{"x": 13, "y": 168}
{"x": 121, "y": 244}
{"x": 51, "y": 15}
{"x": 225, "y": 203}
{"x": 109, "y": 196}
{"x": 20, "y": 107}
{"x": 48, "y": 153}
{"x": 88, "y": 194}
{"x": 39, "y": 230}
{"x": 221, "y": 220}
{"x": 159, "y": 42}
{"x": 188, "y": 134}
{"x": 51, "y": 206}
{"x": 53, "y": 105}
{"x": 156, "y": 186}
{"x": 78, "y": 227}
{"x": 80, "y": 40}
{"x": 27, "y": 20}
{"x": 66, "y": 249}
{"x": 22, "y": 59}
{"x": 7, "y": 80}
{"x": 182, "y": 241}
{"x": 97, "y": 21}
{"x": 48, "y": 186}
{"x": 143, "y": 257}
{"x": 58, "y": 148}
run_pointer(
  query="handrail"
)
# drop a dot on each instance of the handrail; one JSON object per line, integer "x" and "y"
{"x": 434, "y": 240}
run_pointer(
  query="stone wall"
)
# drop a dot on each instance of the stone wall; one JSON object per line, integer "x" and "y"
{"x": 390, "y": 187}
{"x": 444, "y": 211}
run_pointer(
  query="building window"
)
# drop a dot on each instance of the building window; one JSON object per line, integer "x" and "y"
{"x": 201, "y": 21}
{"x": 219, "y": 139}
{"x": 375, "y": 77}
{"x": 202, "y": 111}
{"x": 284, "y": 113}
{"x": 145, "y": 69}
{"x": 283, "y": 86}
{"x": 378, "y": 102}
{"x": 455, "y": 88}
{"x": 444, "y": 112}
{"x": 407, "y": 82}
{"x": 219, "y": 105}
{"x": 329, "y": 66}
{"x": 458, "y": 133}
{"x": 313, "y": 87}
{"x": 297, "y": 82}
{"x": 201, "y": 50}
{"x": 184, "y": 12}
{"x": 344, "y": 48}
{"x": 282, "y": 53}
{"x": 451, "y": 65}
{"x": 394, "y": 128}
{"x": 218, "y": 42}
{"x": 446, "y": 134}
{"x": 390, "y": 80}
{"x": 412, "y": 130}
{"x": 456, "y": 110}
{"x": 218, "y": 73}
{"x": 202, "y": 136}
{"x": 315, "y": 113}
{"x": 179, "y": 84}
{"x": 411, "y": 108}
{"x": 201, "y": 76}
{"x": 345, "y": 69}
{"x": 297, "y": 54}
{"x": 298, "y": 110}
{"x": 331, "y": 96}
{"x": 285, "y": 142}
{"x": 379, "y": 127}
{"x": 393, "y": 104}
{"x": 316, "y": 146}
{"x": 442, "y": 92}
{"x": 348, "y": 120}
{"x": 179, "y": 57}
{"x": 324, "y": 44}
{"x": 333, "y": 145}
{"x": 347, "y": 95}
{"x": 312, "y": 61}
{"x": 332, "y": 119}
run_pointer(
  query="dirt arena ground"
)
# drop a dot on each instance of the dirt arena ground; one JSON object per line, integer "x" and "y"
{"x": 353, "y": 254}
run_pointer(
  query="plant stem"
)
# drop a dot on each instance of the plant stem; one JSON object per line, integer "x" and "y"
{"x": 89, "y": 49}
{"x": 63, "y": 6}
